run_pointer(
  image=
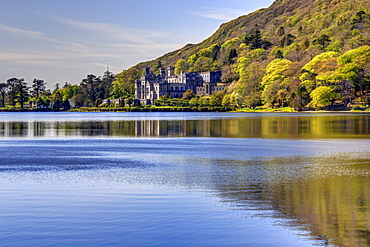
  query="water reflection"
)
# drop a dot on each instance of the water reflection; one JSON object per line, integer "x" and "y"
{"x": 264, "y": 126}
{"x": 328, "y": 196}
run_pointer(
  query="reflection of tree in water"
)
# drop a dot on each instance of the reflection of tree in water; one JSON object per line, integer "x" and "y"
{"x": 265, "y": 126}
{"x": 327, "y": 196}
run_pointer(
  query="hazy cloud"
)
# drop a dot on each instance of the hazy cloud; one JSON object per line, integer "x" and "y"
{"x": 41, "y": 36}
{"x": 116, "y": 32}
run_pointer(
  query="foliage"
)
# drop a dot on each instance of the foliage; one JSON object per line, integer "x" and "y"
{"x": 188, "y": 95}
{"x": 124, "y": 83}
{"x": 322, "y": 96}
{"x": 38, "y": 87}
{"x": 181, "y": 66}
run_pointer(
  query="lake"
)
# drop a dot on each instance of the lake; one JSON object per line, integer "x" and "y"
{"x": 184, "y": 179}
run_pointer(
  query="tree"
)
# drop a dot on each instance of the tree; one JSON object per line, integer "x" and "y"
{"x": 215, "y": 52}
{"x": 57, "y": 100}
{"x": 38, "y": 87}
{"x": 188, "y": 95}
{"x": 323, "y": 41}
{"x": 255, "y": 41}
{"x": 217, "y": 98}
{"x": 287, "y": 40}
{"x": 232, "y": 54}
{"x": 124, "y": 83}
{"x": 18, "y": 91}
{"x": 91, "y": 88}
{"x": 3, "y": 88}
{"x": 203, "y": 64}
{"x": 107, "y": 85}
{"x": 322, "y": 96}
{"x": 279, "y": 54}
{"x": 130, "y": 101}
{"x": 274, "y": 80}
{"x": 181, "y": 66}
{"x": 248, "y": 86}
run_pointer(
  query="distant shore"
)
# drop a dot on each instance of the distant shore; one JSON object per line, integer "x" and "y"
{"x": 187, "y": 109}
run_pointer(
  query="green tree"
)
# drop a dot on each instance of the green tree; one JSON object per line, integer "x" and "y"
{"x": 3, "y": 88}
{"x": 354, "y": 65}
{"x": 107, "y": 84}
{"x": 91, "y": 89}
{"x": 279, "y": 54}
{"x": 217, "y": 98}
{"x": 323, "y": 41}
{"x": 322, "y": 96}
{"x": 274, "y": 80}
{"x": 203, "y": 64}
{"x": 215, "y": 52}
{"x": 181, "y": 66}
{"x": 232, "y": 55}
{"x": 130, "y": 101}
{"x": 248, "y": 86}
{"x": 315, "y": 66}
{"x": 255, "y": 41}
{"x": 38, "y": 87}
{"x": 188, "y": 95}
{"x": 124, "y": 83}
{"x": 18, "y": 91}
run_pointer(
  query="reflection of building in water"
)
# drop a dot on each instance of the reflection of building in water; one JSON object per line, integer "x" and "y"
{"x": 151, "y": 86}
{"x": 157, "y": 128}
{"x": 264, "y": 126}
{"x": 147, "y": 128}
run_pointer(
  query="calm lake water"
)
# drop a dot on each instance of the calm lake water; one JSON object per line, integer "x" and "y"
{"x": 184, "y": 179}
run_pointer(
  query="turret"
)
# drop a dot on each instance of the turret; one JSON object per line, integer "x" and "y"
{"x": 162, "y": 72}
{"x": 171, "y": 70}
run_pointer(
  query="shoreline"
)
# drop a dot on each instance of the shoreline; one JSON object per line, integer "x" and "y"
{"x": 185, "y": 109}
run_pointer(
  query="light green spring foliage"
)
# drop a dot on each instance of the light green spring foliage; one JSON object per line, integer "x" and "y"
{"x": 275, "y": 71}
{"x": 124, "y": 84}
{"x": 274, "y": 80}
{"x": 231, "y": 42}
{"x": 68, "y": 92}
{"x": 358, "y": 55}
{"x": 308, "y": 78}
{"x": 181, "y": 66}
{"x": 351, "y": 63}
{"x": 311, "y": 66}
{"x": 322, "y": 96}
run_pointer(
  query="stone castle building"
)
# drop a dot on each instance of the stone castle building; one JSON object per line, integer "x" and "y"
{"x": 150, "y": 86}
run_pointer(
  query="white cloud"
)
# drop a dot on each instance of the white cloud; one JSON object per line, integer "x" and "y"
{"x": 223, "y": 14}
{"x": 41, "y": 36}
{"x": 116, "y": 32}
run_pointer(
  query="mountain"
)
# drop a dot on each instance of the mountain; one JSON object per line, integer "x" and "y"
{"x": 313, "y": 17}
{"x": 266, "y": 52}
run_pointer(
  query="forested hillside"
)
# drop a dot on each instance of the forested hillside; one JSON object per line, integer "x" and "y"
{"x": 310, "y": 53}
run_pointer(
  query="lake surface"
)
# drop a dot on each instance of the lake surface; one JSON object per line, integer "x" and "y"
{"x": 184, "y": 179}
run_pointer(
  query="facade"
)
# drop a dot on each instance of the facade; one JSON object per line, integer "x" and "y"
{"x": 151, "y": 86}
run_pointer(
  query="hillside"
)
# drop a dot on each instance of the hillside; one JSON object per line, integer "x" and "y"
{"x": 267, "y": 56}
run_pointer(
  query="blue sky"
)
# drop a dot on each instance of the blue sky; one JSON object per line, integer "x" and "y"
{"x": 63, "y": 41}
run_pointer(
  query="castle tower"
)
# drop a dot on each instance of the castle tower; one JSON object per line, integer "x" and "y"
{"x": 162, "y": 72}
{"x": 171, "y": 70}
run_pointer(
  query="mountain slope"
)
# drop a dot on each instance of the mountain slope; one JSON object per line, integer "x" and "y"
{"x": 314, "y": 17}
{"x": 293, "y": 32}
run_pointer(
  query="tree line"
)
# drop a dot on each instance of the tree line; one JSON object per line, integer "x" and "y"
{"x": 90, "y": 92}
